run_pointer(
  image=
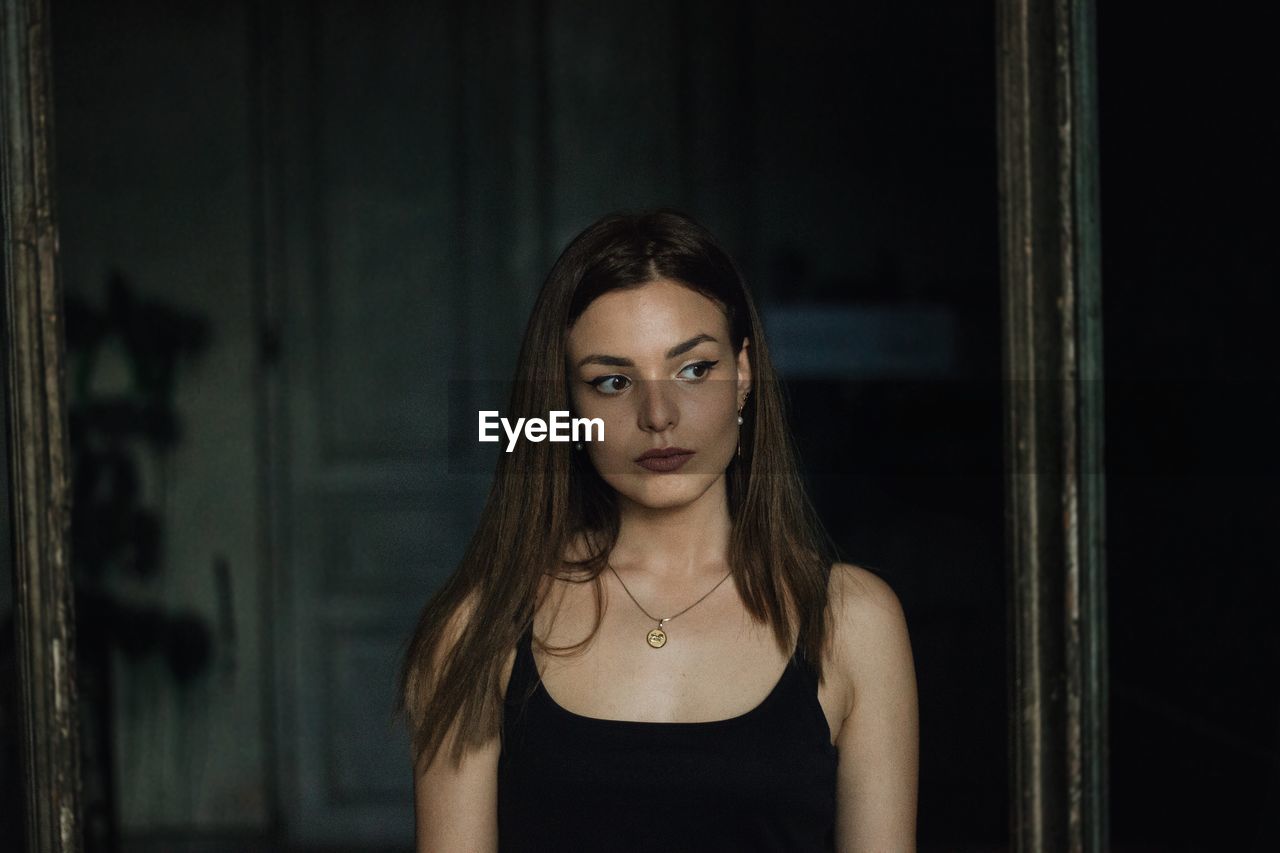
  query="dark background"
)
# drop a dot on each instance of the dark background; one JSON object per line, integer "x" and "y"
{"x": 239, "y": 163}
{"x": 1190, "y": 298}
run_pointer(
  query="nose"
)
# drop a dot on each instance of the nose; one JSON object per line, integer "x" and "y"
{"x": 658, "y": 410}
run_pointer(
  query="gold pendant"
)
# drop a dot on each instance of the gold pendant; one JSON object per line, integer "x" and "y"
{"x": 657, "y": 638}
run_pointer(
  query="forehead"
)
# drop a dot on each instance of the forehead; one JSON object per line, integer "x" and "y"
{"x": 651, "y": 317}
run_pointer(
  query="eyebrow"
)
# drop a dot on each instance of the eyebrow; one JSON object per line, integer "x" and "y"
{"x": 619, "y": 361}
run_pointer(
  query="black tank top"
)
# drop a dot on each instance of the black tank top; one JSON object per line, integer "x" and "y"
{"x": 764, "y": 780}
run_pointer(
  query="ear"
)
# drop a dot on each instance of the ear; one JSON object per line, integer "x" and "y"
{"x": 744, "y": 373}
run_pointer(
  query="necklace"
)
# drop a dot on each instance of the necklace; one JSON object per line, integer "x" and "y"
{"x": 657, "y": 638}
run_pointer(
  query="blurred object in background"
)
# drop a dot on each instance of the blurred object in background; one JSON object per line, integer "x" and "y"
{"x": 120, "y": 424}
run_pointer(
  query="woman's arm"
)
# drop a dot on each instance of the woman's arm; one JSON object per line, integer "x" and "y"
{"x": 879, "y": 739}
{"x": 456, "y": 808}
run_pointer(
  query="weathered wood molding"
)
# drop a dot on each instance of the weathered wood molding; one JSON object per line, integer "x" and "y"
{"x": 38, "y": 446}
{"x": 1053, "y": 423}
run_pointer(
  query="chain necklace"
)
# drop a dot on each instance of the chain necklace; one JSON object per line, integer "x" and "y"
{"x": 657, "y": 638}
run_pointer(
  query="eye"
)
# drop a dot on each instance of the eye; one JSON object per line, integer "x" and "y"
{"x": 703, "y": 366}
{"x": 608, "y": 386}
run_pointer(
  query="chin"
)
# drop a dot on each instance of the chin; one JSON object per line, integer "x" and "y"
{"x": 665, "y": 491}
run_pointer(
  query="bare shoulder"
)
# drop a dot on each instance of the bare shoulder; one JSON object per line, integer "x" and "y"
{"x": 868, "y": 625}
{"x": 855, "y": 590}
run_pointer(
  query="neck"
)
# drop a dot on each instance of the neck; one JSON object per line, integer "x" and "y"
{"x": 676, "y": 544}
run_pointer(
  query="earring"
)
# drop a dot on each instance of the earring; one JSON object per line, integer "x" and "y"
{"x": 578, "y": 445}
{"x": 739, "y": 420}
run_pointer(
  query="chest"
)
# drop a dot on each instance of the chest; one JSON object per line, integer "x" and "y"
{"x": 716, "y": 662}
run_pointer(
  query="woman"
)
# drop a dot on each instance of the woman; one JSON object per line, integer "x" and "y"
{"x": 602, "y": 671}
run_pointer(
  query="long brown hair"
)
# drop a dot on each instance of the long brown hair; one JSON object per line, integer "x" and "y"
{"x": 544, "y": 496}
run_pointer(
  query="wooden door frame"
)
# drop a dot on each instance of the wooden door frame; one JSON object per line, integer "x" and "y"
{"x": 1052, "y": 327}
{"x": 1051, "y": 303}
{"x": 38, "y": 446}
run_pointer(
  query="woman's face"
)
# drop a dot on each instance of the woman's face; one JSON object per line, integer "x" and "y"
{"x": 656, "y": 365}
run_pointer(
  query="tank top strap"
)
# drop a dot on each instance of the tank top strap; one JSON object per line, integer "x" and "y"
{"x": 801, "y": 662}
{"x": 524, "y": 672}
{"x": 802, "y": 697}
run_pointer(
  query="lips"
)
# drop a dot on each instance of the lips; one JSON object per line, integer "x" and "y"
{"x": 664, "y": 460}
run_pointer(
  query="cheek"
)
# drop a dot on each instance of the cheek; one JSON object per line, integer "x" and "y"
{"x": 716, "y": 403}
{"x": 710, "y": 415}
